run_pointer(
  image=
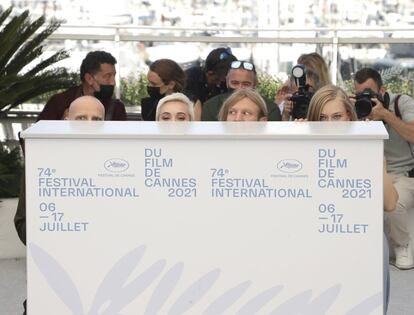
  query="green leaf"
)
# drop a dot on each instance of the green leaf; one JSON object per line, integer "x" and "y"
{"x": 21, "y": 47}
{"x": 5, "y": 14}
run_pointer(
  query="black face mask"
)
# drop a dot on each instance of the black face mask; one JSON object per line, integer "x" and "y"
{"x": 154, "y": 92}
{"x": 105, "y": 92}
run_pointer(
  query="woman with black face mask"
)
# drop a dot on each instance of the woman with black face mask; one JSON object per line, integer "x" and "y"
{"x": 165, "y": 77}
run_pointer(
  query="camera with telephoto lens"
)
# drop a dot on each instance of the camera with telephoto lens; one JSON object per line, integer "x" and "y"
{"x": 364, "y": 104}
{"x": 301, "y": 98}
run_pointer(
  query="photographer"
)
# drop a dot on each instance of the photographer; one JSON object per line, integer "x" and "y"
{"x": 316, "y": 76}
{"x": 397, "y": 113}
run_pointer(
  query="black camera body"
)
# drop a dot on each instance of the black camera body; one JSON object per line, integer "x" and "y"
{"x": 301, "y": 98}
{"x": 364, "y": 105}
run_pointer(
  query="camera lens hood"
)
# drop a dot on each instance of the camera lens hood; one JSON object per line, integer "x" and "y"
{"x": 363, "y": 107}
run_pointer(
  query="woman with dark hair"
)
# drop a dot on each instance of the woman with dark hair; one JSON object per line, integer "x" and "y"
{"x": 165, "y": 77}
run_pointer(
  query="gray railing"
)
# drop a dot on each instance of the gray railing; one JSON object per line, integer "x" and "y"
{"x": 325, "y": 36}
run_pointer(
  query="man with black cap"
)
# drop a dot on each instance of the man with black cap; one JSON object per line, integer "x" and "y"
{"x": 208, "y": 81}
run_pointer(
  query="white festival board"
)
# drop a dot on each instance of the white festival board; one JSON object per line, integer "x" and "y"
{"x": 204, "y": 218}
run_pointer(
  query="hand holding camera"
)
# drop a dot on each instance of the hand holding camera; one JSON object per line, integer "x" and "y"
{"x": 369, "y": 104}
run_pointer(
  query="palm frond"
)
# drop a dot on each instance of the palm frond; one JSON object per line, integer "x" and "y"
{"x": 32, "y": 47}
{"x": 27, "y": 87}
{"x": 5, "y": 14}
{"x": 8, "y": 38}
{"x": 17, "y": 64}
{"x": 24, "y": 73}
{"x": 58, "y": 56}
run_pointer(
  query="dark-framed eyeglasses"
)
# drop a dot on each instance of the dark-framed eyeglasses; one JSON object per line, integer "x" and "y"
{"x": 242, "y": 64}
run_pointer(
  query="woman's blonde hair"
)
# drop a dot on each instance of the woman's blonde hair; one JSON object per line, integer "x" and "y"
{"x": 175, "y": 97}
{"x": 316, "y": 69}
{"x": 323, "y": 96}
{"x": 237, "y": 96}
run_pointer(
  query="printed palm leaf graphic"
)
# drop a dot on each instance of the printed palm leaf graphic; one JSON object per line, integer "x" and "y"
{"x": 226, "y": 300}
{"x": 115, "y": 291}
{"x": 367, "y": 306}
{"x": 58, "y": 279}
{"x": 164, "y": 289}
{"x": 301, "y": 302}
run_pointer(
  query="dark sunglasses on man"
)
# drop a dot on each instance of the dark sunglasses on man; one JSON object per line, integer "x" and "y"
{"x": 242, "y": 64}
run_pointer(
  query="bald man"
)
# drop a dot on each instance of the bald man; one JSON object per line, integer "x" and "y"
{"x": 85, "y": 108}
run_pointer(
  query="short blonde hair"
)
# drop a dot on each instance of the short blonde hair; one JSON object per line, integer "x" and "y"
{"x": 175, "y": 97}
{"x": 323, "y": 96}
{"x": 237, "y": 96}
{"x": 316, "y": 69}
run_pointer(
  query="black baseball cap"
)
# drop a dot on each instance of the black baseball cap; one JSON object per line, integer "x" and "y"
{"x": 219, "y": 60}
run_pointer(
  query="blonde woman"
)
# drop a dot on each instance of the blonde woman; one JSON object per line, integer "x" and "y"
{"x": 331, "y": 103}
{"x": 175, "y": 107}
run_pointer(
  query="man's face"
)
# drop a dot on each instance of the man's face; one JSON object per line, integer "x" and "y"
{"x": 244, "y": 110}
{"x": 241, "y": 79}
{"x": 216, "y": 82}
{"x": 215, "y": 78}
{"x": 368, "y": 84}
{"x": 86, "y": 108}
{"x": 105, "y": 76}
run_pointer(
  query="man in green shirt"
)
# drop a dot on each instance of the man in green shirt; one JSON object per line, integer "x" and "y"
{"x": 242, "y": 75}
